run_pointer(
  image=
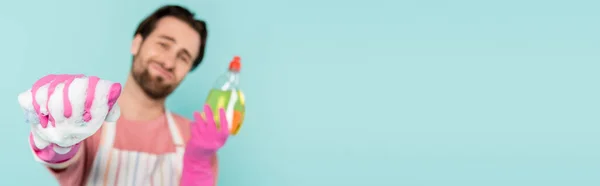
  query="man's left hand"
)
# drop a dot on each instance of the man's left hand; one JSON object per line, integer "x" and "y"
{"x": 207, "y": 138}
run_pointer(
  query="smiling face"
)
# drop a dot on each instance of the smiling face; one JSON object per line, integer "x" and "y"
{"x": 163, "y": 59}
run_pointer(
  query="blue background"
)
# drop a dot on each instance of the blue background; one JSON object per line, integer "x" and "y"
{"x": 353, "y": 93}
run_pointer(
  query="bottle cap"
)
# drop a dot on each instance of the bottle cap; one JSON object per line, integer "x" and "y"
{"x": 235, "y": 64}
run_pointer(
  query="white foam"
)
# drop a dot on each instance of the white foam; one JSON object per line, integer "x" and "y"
{"x": 72, "y": 130}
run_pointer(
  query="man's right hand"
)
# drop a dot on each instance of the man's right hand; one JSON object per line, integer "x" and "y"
{"x": 65, "y": 109}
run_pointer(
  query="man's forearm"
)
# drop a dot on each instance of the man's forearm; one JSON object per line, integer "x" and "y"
{"x": 198, "y": 171}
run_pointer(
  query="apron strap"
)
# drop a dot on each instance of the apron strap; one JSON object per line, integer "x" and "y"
{"x": 103, "y": 154}
{"x": 177, "y": 139}
{"x": 175, "y": 134}
{"x": 108, "y": 135}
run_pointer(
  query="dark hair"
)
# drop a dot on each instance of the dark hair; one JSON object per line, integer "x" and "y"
{"x": 149, "y": 24}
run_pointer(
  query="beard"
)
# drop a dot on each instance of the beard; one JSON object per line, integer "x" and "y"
{"x": 154, "y": 87}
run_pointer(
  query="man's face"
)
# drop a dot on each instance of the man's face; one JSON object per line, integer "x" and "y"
{"x": 163, "y": 59}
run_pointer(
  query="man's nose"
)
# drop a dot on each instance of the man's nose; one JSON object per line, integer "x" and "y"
{"x": 168, "y": 60}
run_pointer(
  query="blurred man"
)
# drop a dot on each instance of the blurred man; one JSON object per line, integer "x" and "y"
{"x": 147, "y": 144}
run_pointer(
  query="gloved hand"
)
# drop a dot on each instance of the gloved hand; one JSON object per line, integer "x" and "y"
{"x": 63, "y": 110}
{"x": 206, "y": 139}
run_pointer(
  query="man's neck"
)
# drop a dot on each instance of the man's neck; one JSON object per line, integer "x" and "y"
{"x": 136, "y": 105}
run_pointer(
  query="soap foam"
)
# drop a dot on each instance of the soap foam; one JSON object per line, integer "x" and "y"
{"x": 67, "y": 131}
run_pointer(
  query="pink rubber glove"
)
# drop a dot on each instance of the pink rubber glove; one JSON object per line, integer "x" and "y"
{"x": 65, "y": 109}
{"x": 206, "y": 139}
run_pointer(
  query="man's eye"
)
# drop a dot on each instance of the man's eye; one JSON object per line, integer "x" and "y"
{"x": 184, "y": 59}
{"x": 163, "y": 45}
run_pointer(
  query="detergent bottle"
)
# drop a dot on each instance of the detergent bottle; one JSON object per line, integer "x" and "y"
{"x": 226, "y": 94}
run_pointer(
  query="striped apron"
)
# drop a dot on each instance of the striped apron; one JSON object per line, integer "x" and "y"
{"x": 130, "y": 168}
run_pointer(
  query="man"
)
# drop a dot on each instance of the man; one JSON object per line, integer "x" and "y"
{"x": 147, "y": 145}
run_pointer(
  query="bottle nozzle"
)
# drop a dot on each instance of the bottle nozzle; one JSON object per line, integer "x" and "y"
{"x": 235, "y": 64}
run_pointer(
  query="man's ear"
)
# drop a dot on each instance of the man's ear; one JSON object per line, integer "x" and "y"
{"x": 136, "y": 44}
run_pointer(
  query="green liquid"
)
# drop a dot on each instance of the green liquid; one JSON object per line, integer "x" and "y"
{"x": 218, "y": 99}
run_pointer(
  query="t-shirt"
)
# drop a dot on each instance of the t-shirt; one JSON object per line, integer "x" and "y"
{"x": 153, "y": 137}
